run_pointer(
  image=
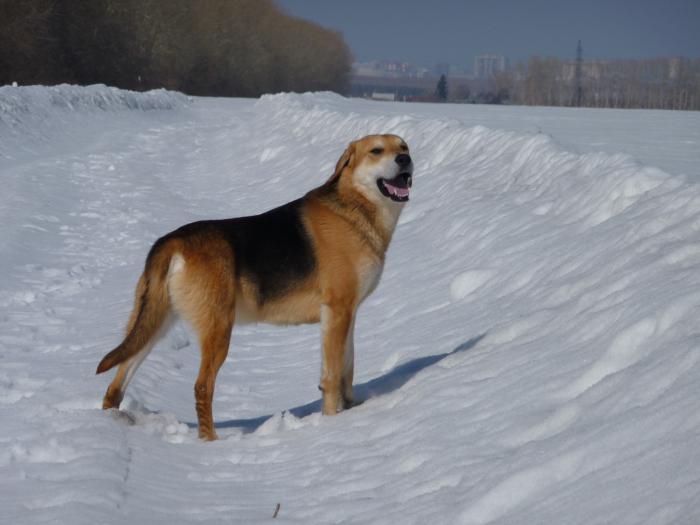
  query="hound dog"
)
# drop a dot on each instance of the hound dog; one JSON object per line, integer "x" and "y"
{"x": 312, "y": 260}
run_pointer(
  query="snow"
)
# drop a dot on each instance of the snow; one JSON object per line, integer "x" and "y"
{"x": 531, "y": 354}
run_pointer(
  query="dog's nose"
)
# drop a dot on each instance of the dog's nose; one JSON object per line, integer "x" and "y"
{"x": 403, "y": 160}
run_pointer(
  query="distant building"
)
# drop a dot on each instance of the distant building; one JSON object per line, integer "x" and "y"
{"x": 397, "y": 68}
{"x": 376, "y": 95}
{"x": 387, "y": 68}
{"x": 486, "y": 65}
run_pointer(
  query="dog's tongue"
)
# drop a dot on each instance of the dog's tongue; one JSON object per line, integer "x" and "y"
{"x": 395, "y": 190}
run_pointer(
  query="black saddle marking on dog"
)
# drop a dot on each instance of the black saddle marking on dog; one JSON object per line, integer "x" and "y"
{"x": 273, "y": 249}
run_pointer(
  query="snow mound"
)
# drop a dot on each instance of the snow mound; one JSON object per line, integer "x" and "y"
{"x": 304, "y": 101}
{"x": 587, "y": 189}
{"x": 45, "y": 113}
{"x": 17, "y": 103}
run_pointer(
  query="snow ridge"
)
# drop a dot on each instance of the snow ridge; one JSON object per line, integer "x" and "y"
{"x": 38, "y": 101}
{"x": 46, "y": 113}
{"x": 589, "y": 188}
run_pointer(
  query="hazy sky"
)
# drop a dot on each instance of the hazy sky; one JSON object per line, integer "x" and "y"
{"x": 426, "y": 32}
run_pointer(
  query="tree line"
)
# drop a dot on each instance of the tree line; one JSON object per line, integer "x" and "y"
{"x": 659, "y": 83}
{"x": 203, "y": 47}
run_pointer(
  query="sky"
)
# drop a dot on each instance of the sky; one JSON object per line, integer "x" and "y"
{"x": 449, "y": 31}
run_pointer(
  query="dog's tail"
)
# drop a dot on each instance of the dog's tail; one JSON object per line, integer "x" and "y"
{"x": 151, "y": 306}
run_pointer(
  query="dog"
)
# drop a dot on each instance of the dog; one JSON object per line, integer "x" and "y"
{"x": 312, "y": 260}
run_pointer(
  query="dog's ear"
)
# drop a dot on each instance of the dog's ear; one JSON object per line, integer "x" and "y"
{"x": 344, "y": 161}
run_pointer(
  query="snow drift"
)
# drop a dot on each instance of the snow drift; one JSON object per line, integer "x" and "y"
{"x": 530, "y": 356}
{"x": 37, "y": 101}
{"x": 41, "y": 112}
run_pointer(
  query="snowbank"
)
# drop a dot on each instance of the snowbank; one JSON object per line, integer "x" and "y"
{"x": 32, "y": 113}
{"x": 589, "y": 189}
{"x": 39, "y": 101}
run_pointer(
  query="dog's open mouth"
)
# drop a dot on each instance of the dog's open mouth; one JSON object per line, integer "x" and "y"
{"x": 397, "y": 189}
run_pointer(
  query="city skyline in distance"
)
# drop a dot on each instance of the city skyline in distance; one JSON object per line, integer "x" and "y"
{"x": 454, "y": 32}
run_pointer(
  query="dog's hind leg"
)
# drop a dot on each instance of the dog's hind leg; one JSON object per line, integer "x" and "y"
{"x": 127, "y": 369}
{"x": 147, "y": 323}
{"x": 115, "y": 390}
{"x": 203, "y": 292}
{"x": 214, "y": 341}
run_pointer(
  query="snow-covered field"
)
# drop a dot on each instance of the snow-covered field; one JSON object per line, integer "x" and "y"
{"x": 532, "y": 354}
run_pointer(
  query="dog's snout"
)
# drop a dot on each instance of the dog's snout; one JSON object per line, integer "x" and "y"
{"x": 403, "y": 160}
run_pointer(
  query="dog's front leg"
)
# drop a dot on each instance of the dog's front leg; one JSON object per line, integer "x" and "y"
{"x": 336, "y": 322}
{"x": 349, "y": 366}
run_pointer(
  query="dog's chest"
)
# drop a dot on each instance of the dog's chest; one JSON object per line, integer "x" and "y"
{"x": 369, "y": 270}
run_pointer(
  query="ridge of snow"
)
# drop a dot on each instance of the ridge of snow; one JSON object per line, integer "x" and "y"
{"x": 604, "y": 185}
{"x": 41, "y": 100}
{"x": 47, "y": 113}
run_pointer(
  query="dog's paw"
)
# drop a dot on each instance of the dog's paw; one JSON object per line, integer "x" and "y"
{"x": 120, "y": 415}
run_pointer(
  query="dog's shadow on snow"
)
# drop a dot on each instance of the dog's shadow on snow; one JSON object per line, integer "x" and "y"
{"x": 389, "y": 382}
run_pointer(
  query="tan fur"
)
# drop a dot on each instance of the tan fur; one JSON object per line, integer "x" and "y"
{"x": 350, "y": 229}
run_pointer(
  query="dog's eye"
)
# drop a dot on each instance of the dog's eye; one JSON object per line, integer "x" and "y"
{"x": 377, "y": 151}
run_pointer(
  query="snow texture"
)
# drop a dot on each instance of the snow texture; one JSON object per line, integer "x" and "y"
{"x": 531, "y": 355}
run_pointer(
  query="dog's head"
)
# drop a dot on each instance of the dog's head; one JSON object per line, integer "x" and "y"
{"x": 379, "y": 167}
